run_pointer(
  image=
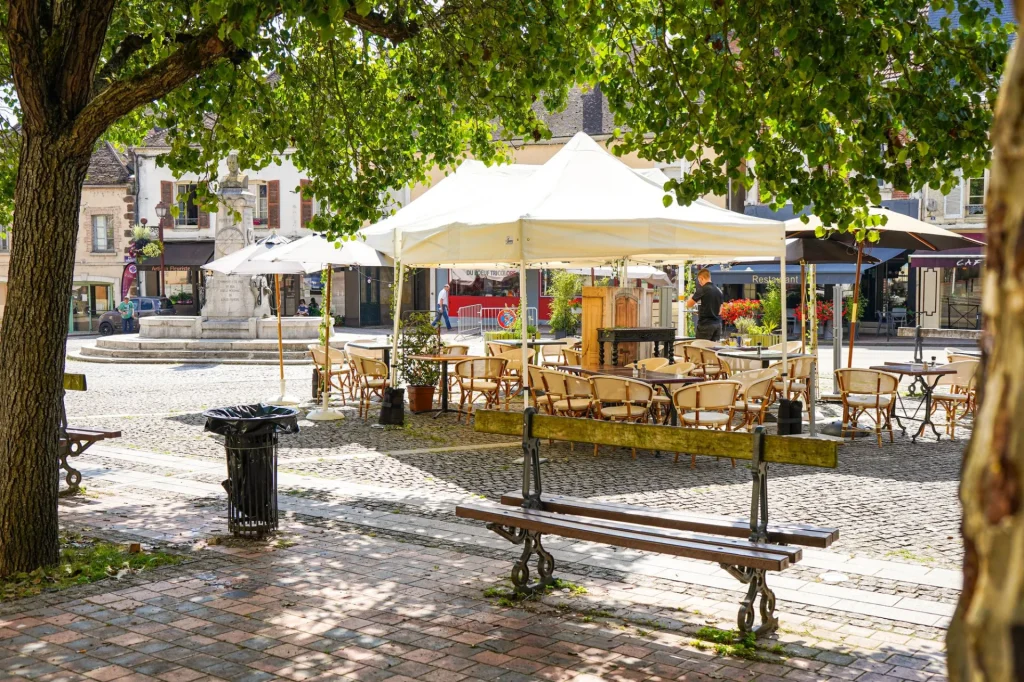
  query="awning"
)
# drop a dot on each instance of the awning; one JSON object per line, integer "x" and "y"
{"x": 182, "y": 256}
{"x": 830, "y": 273}
{"x": 951, "y": 258}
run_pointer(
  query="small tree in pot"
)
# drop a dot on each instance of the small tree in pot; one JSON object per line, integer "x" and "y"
{"x": 417, "y": 336}
{"x": 564, "y": 289}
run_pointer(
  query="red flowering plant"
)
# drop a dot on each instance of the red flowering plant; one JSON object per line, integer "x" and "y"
{"x": 740, "y": 307}
{"x": 823, "y": 309}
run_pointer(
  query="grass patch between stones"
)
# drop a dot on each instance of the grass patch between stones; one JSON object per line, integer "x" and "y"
{"x": 84, "y": 560}
{"x": 730, "y": 643}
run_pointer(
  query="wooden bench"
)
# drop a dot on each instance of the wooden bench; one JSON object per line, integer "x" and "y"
{"x": 74, "y": 440}
{"x": 747, "y": 548}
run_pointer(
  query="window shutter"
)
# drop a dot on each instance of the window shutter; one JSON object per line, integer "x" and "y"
{"x": 307, "y": 205}
{"x": 167, "y": 196}
{"x": 274, "y": 204}
{"x": 954, "y": 207}
{"x": 204, "y": 219}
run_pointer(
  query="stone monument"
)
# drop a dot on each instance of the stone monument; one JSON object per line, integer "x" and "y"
{"x": 231, "y": 296}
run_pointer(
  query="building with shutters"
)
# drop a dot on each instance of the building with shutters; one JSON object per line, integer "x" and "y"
{"x": 106, "y": 215}
{"x": 189, "y": 236}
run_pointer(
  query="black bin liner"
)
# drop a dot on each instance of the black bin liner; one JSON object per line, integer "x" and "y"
{"x": 250, "y": 444}
{"x": 791, "y": 413}
{"x": 392, "y": 407}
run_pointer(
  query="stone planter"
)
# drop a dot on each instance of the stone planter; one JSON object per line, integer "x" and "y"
{"x": 185, "y": 309}
{"x": 421, "y": 398}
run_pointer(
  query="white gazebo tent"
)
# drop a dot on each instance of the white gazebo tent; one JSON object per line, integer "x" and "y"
{"x": 317, "y": 253}
{"x": 582, "y": 207}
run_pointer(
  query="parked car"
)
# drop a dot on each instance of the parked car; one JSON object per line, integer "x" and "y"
{"x": 110, "y": 321}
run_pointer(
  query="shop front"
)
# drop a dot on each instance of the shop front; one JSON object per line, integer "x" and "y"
{"x": 89, "y": 300}
{"x": 494, "y": 289}
{"x": 949, "y": 285}
{"x": 183, "y": 279}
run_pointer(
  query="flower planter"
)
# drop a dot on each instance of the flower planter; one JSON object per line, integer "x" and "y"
{"x": 421, "y": 398}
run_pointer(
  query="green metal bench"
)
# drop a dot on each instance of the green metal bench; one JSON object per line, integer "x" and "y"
{"x": 746, "y": 548}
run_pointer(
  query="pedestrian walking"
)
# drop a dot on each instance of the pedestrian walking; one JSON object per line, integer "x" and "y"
{"x": 709, "y": 321}
{"x": 442, "y": 309}
{"x": 127, "y": 310}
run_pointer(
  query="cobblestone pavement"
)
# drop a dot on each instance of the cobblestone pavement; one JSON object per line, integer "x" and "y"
{"x": 330, "y": 600}
{"x": 895, "y": 502}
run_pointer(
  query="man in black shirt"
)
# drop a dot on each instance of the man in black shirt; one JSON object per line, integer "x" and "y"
{"x": 709, "y": 322}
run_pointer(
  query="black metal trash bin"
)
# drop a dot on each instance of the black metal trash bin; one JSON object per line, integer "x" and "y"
{"x": 250, "y": 444}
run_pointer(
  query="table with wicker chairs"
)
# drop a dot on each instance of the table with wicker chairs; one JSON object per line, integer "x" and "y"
{"x": 924, "y": 376}
{"x": 708, "y": 404}
{"x": 479, "y": 377}
{"x": 371, "y": 378}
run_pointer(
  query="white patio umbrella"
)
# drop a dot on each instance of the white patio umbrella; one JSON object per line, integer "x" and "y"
{"x": 251, "y": 260}
{"x": 647, "y": 273}
{"x": 583, "y": 206}
{"x": 317, "y": 252}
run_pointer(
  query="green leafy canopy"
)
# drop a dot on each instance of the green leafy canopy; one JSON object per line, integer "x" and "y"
{"x": 815, "y": 100}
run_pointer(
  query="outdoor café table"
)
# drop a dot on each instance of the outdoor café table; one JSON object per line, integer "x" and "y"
{"x": 921, "y": 376}
{"x": 375, "y": 345}
{"x": 661, "y": 379}
{"x": 443, "y": 360}
{"x": 765, "y": 356}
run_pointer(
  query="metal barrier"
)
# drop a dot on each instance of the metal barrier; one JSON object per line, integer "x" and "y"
{"x": 470, "y": 319}
{"x": 489, "y": 318}
{"x": 963, "y": 313}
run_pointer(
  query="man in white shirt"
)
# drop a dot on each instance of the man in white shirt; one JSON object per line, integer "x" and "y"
{"x": 442, "y": 309}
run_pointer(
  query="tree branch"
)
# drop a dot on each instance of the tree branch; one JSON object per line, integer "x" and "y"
{"x": 124, "y": 96}
{"x": 131, "y": 44}
{"x": 396, "y": 31}
{"x": 80, "y": 28}
{"x": 28, "y": 67}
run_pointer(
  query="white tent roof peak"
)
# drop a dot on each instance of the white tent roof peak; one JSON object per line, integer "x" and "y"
{"x": 583, "y": 206}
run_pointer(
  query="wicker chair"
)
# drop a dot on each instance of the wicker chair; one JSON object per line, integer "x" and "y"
{"x": 798, "y": 380}
{"x": 711, "y": 404}
{"x": 551, "y": 355}
{"x": 479, "y": 377}
{"x": 621, "y": 400}
{"x": 864, "y": 390}
{"x": 756, "y": 394}
{"x": 660, "y": 403}
{"x": 339, "y": 372}
{"x": 536, "y": 390}
{"x": 572, "y": 356}
{"x": 650, "y": 364}
{"x": 512, "y": 376}
{"x": 959, "y": 394}
{"x": 371, "y": 379}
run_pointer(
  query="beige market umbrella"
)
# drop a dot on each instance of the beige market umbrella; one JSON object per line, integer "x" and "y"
{"x": 899, "y": 232}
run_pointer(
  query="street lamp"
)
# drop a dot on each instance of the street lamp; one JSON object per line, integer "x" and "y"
{"x": 161, "y": 213}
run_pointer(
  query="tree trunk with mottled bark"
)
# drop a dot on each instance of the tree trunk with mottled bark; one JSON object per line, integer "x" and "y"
{"x": 986, "y": 638}
{"x": 32, "y": 346}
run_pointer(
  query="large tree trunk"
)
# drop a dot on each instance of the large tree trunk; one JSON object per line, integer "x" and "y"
{"x": 986, "y": 638}
{"x": 32, "y": 344}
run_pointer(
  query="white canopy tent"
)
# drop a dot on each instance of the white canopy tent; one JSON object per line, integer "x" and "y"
{"x": 582, "y": 207}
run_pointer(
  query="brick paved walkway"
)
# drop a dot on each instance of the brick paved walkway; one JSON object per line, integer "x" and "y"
{"x": 330, "y": 600}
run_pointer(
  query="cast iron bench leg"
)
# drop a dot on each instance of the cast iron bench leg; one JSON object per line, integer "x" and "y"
{"x": 756, "y": 578}
{"x": 530, "y": 540}
{"x": 74, "y": 476}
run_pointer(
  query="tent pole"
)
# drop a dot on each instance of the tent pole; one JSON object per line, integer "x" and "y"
{"x": 525, "y": 327}
{"x": 782, "y": 313}
{"x": 283, "y": 398}
{"x": 395, "y": 323}
{"x": 855, "y": 304}
{"x": 802, "y": 306}
{"x": 684, "y": 269}
{"x": 325, "y": 413}
{"x": 592, "y": 278}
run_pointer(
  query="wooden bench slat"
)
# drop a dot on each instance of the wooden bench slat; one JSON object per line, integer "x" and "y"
{"x": 794, "y": 554}
{"x": 792, "y": 533}
{"x": 98, "y": 434}
{"x": 797, "y": 450}
{"x": 539, "y": 522}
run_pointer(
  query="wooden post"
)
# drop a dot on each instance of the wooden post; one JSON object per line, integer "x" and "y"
{"x": 855, "y": 305}
{"x": 280, "y": 342}
{"x": 802, "y": 306}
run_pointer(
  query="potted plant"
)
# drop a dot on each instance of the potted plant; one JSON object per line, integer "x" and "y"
{"x": 564, "y": 290}
{"x": 417, "y": 336}
{"x": 183, "y": 303}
